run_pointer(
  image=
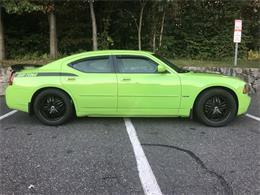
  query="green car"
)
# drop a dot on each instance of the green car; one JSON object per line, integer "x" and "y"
{"x": 124, "y": 83}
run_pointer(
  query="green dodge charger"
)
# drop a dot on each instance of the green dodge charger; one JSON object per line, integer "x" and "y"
{"x": 123, "y": 83}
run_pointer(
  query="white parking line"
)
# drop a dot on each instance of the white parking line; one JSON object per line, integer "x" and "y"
{"x": 253, "y": 117}
{"x": 148, "y": 180}
{"x": 8, "y": 114}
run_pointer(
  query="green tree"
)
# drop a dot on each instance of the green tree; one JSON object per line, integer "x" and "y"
{"x": 200, "y": 29}
{"x": 49, "y": 8}
{"x": 28, "y": 6}
{"x": 2, "y": 40}
{"x": 12, "y": 6}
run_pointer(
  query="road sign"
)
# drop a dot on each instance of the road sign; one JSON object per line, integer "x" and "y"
{"x": 237, "y": 37}
{"x": 237, "y": 31}
{"x": 238, "y": 25}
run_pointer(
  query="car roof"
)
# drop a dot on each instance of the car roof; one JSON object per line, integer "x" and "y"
{"x": 99, "y": 52}
{"x": 118, "y": 51}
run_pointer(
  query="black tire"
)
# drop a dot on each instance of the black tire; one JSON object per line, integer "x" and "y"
{"x": 53, "y": 107}
{"x": 216, "y": 107}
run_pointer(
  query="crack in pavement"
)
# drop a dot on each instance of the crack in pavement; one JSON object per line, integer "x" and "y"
{"x": 227, "y": 188}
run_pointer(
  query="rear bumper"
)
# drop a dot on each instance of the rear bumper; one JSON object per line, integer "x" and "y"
{"x": 16, "y": 98}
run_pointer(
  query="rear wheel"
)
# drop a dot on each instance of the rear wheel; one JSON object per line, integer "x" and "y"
{"x": 216, "y": 107}
{"x": 53, "y": 107}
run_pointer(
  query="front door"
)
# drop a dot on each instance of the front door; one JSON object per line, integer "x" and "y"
{"x": 144, "y": 91}
{"x": 95, "y": 86}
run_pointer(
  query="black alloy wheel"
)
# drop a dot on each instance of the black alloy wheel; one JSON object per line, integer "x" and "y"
{"x": 216, "y": 107}
{"x": 53, "y": 107}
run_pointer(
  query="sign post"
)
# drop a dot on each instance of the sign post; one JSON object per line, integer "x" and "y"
{"x": 237, "y": 37}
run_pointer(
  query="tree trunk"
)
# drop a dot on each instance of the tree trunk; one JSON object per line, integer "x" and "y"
{"x": 94, "y": 25}
{"x": 154, "y": 40}
{"x": 140, "y": 27}
{"x": 53, "y": 35}
{"x": 161, "y": 31}
{"x": 2, "y": 41}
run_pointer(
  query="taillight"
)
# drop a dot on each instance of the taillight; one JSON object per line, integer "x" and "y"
{"x": 246, "y": 89}
{"x": 11, "y": 78}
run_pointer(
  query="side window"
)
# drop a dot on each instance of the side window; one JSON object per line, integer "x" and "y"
{"x": 135, "y": 64}
{"x": 93, "y": 65}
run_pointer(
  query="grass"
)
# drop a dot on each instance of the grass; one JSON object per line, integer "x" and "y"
{"x": 179, "y": 62}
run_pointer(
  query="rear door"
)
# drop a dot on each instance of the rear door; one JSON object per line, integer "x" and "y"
{"x": 94, "y": 87}
{"x": 144, "y": 91}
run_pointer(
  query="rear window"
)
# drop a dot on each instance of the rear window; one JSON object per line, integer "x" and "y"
{"x": 99, "y": 64}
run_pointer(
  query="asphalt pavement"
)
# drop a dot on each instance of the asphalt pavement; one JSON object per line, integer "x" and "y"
{"x": 95, "y": 155}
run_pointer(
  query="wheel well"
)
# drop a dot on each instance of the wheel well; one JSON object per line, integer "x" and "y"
{"x": 216, "y": 87}
{"x": 42, "y": 89}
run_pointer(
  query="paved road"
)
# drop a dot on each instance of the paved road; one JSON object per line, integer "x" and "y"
{"x": 95, "y": 155}
{"x": 3, "y": 107}
{"x": 254, "y": 107}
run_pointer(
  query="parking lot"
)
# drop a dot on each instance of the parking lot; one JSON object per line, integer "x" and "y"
{"x": 96, "y": 155}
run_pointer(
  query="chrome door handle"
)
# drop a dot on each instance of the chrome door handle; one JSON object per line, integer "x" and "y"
{"x": 126, "y": 79}
{"x": 71, "y": 79}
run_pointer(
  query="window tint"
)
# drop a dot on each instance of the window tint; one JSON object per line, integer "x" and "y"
{"x": 135, "y": 64}
{"x": 94, "y": 65}
{"x": 173, "y": 66}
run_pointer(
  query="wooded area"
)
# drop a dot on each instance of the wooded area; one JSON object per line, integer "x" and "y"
{"x": 197, "y": 29}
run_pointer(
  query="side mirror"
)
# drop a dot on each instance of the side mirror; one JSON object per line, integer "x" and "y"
{"x": 161, "y": 68}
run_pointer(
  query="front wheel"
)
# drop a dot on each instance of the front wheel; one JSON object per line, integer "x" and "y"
{"x": 216, "y": 107}
{"x": 53, "y": 107}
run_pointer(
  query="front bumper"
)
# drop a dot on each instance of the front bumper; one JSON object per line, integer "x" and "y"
{"x": 243, "y": 103}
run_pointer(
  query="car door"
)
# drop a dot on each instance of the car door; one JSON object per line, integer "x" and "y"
{"x": 95, "y": 86}
{"x": 144, "y": 91}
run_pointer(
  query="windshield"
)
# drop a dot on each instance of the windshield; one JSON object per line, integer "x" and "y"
{"x": 173, "y": 66}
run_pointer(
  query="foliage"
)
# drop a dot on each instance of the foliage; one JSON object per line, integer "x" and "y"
{"x": 196, "y": 29}
{"x": 104, "y": 40}
{"x": 253, "y": 55}
{"x": 20, "y": 6}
